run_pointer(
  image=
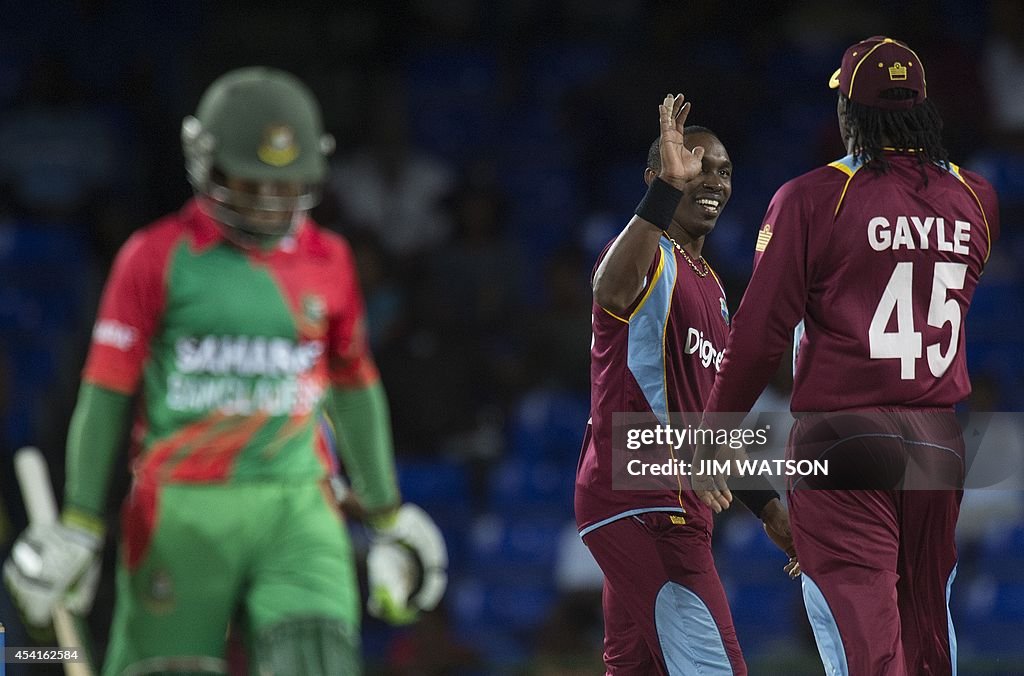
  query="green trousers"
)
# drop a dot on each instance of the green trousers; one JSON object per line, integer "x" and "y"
{"x": 193, "y": 555}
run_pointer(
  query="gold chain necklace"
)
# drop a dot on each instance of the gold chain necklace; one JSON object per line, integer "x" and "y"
{"x": 689, "y": 260}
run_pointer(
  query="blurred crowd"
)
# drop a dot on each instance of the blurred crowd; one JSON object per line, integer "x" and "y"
{"x": 486, "y": 153}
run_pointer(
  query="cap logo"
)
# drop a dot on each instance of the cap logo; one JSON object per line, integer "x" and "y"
{"x": 897, "y": 71}
{"x": 278, "y": 147}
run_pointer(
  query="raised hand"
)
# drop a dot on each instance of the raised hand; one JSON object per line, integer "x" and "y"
{"x": 678, "y": 163}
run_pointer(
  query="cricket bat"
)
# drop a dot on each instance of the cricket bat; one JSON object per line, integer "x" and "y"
{"x": 41, "y": 507}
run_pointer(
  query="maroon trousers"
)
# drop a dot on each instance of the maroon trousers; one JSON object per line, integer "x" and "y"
{"x": 875, "y": 538}
{"x": 665, "y": 610}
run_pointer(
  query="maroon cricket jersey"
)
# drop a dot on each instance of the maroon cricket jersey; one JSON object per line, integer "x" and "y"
{"x": 881, "y": 269}
{"x": 660, "y": 359}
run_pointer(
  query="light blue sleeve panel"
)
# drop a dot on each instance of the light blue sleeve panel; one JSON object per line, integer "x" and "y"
{"x": 646, "y": 350}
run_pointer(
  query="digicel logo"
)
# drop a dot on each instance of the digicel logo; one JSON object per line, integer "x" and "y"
{"x": 698, "y": 345}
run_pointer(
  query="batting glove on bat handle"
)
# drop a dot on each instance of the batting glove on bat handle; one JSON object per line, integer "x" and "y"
{"x": 407, "y": 566}
{"x": 47, "y": 561}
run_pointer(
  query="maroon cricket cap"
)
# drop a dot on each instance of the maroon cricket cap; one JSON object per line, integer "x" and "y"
{"x": 876, "y": 64}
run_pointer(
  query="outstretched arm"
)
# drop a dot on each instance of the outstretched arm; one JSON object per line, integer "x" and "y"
{"x": 619, "y": 278}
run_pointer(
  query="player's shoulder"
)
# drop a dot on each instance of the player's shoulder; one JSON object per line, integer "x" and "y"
{"x": 817, "y": 182}
{"x": 154, "y": 240}
{"x": 978, "y": 183}
{"x": 323, "y": 244}
{"x": 985, "y": 193}
{"x": 603, "y": 253}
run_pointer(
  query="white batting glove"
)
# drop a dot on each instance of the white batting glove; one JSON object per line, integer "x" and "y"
{"x": 46, "y": 561}
{"x": 407, "y": 566}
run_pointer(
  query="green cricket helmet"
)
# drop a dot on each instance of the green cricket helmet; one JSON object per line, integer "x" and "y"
{"x": 256, "y": 153}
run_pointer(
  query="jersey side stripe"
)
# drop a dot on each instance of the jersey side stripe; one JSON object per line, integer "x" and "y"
{"x": 646, "y": 342}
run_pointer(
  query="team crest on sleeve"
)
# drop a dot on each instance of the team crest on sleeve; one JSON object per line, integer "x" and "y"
{"x": 725, "y": 310}
{"x": 313, "y": 322}
{"x": 764, "y": 236}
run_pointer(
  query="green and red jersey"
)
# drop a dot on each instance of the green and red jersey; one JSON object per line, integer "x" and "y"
{"x": 234, "y": 350}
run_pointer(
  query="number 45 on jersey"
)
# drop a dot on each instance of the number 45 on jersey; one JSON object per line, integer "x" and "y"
{"x": 905, "y": 342}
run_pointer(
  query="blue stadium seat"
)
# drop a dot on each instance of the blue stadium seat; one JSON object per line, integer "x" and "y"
{"x": 1001, "y": 357}
{"x": 549, "y": 424}
{"x": 429, "y": 482}
{"x": 743, "y": 550}
{"x": 455, "y": 522}
{"x": 751, "y": 603}
{"x": 986, "y": 598}
{"x": 516, "y": 605}
{"x": 989, "y": 639}
{"x": 1002, "y": 553}
{"x": 441, "y": 488}
{"x": 1009, "y": 603}
{"x": 519, "y": 607}
{"x": 545, "y": 201}
{"x": 988, "y": 616}
{"x": 519, "y": 485}
{"x": 1005, "y": 170}
{"x": 499, "y": 543}
{"x": 997, "y": 312}
{"x": 45, "y": 277}
{"x": 478, "y": 617}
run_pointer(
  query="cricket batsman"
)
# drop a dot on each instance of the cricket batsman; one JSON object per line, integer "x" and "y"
{"x": 239, "y": 322}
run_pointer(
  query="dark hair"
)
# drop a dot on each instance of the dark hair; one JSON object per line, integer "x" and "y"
{"x": 654, "y": 152}
{"x": 918, "y": 129}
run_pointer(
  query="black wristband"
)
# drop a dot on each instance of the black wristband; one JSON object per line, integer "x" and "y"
{"x": 659, "y": 204}
{"x": 755, "y": 499}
